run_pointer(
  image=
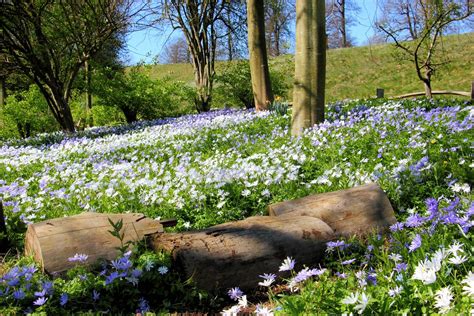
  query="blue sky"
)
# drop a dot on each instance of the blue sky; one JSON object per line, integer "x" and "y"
{"x": 146, "y": 44}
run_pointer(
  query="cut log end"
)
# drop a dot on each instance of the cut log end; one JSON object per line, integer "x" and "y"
{"x": 356, "y": 211}
{"x": 52, "y": 242}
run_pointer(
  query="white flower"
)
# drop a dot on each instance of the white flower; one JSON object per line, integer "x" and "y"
{"x": 163, "y": 270}
{"x": 263, "y": 311}
{"x": 351, "y": 299}
{"x": 469, "y": 287}
{"x": 287, "y": 265}
{"x": 461, "y": 188}
{"x": 246, "y": 192}
{"x": 395, "y": 291}
{"x": 266, "y": 282}
{"x": 232, "y": 311}
{"x": 363, "y": 302}
{"x": 425, "y": 272}
{"x": 438, "y": 258}
{"x": 456, "y": 247}
{"x": 443, "y": 299}
{"x": 458, "y": 259}
{"x": 243, "y": 301}
{"x": 395, "y": 257}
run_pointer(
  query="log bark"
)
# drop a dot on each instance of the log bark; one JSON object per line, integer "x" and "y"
{"x": 52, "y": 242}
{"x": 356, "y": 211}
{"x": 236, "y": 253}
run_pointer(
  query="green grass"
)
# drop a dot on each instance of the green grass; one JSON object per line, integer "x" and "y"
{"x": 356, "y": 72}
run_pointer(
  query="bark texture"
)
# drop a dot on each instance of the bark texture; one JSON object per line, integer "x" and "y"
{"x": 310, "y": 65}
{"x": 52, "y": 242}
{"x": 259, "y": 71}
{"x": 236, "y": 253}
{"x": 355, "y": 211}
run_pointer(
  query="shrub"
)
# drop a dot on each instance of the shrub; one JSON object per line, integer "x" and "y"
{"x": 140, "y": 97}
{"x": 26, "y": 114}
{"x": 235, "y": 87}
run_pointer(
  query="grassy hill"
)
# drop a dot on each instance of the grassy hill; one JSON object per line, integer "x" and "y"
{"x": 356, "y": 72}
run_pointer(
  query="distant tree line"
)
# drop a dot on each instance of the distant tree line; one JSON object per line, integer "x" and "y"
{"x": 61, "y": 46}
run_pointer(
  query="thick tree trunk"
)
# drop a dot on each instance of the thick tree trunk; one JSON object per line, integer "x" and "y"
{"x": 130, "y": 115}
{"x": 66, "y": 120}
{"x": 236, "y": 253}
{"x": 355, "y": 211}
{"x": 259, "y": 71}
{"x": 318, "y": 67}
{"x": 301, "y": 117}
{"x": 310, "y": 65}
{"x": 203, "y": 70}
{"x": 3, "y": 91}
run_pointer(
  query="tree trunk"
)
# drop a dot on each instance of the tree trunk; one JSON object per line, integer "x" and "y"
{"x": 354, "y": 211}
{"x": 57, "y": 103}
{"x": 3, "y": 230}
{"x": 259, "y": 71}
{"x": 310, "y": 65}
{"x": 130, "y": 115}
{"x": 230, "y": 45}
{"x": 236, "y": 253}
{"x": 318, "y": 67}
{"x": 87, "y": 70}
{"x": 428, "y": 90}
{"x": 301, "y": 117}
{"x": 88, "y": 75}
{"x": 204, "y": 88}
{"x": 66, "y": 120}
{"x": 3, "y": 91}
{"x": 427, "y": 84}
{"x": 342, "y": 11}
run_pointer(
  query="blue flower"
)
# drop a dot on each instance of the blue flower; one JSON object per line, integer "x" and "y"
{"x": 48, "y": 287}
{"x": 414, "y": 220}
{"x": 400, "y": 267}
{"x": 19, "y": 294}
{"x": 340, "y": 244}
{"x": 372, "y": 278}
{"x": 63, "y": 299}
{"x": 396, "y": 227}
{"x": 95, "y": 295}
{"x": 415, "y": 243}
{"x": 143, "y": 305}
{"x": 78, "y": 257}
{"x": 110, "y": 278}
{"x": 432, "y": 206}
{"x": 235, "y": 293}
{"x": 41, "y": 293}
{"x": 348, "y": 261}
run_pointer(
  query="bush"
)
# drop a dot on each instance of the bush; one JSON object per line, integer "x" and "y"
{"x": 140, "y": 97}
{"x": 26, "y": 114}
{"x": 235, "y": 86}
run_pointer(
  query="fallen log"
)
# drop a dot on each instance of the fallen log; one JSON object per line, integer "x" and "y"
{"x": 52, "y": 242}
{"x": 226, "y": 255}
{"x": 236, "y": 253}
{"x": 355, "y": 211}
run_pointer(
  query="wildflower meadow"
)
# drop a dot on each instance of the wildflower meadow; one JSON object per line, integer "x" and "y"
{"x": 226, "y": 165}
